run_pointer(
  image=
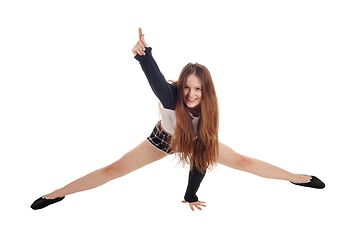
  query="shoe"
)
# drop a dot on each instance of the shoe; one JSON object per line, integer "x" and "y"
{"x": 43, "y": 202}
{"x": 313, "y": 183}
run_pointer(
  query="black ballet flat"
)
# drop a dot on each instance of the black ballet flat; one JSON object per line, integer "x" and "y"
{"x": 43, "y": 202}
{"x": 313, "y": 183}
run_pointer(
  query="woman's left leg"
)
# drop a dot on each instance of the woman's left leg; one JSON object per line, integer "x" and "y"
{"x": 230, "y": 158}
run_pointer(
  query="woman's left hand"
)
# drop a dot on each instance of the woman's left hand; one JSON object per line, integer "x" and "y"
{"x": 197, "y": 204}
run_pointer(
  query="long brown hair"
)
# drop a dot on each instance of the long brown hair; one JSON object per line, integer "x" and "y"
{"x": 198, "y": 147}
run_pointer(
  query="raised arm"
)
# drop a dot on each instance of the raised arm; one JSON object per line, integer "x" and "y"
{"x": 165, "y": 92}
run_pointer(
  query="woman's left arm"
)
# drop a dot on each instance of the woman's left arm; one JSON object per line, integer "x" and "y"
{"x": 194, "y": 181}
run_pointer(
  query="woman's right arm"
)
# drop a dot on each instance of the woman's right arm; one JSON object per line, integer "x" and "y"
{"x": 165, "y": 92}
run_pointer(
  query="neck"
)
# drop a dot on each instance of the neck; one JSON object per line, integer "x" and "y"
{"x": 196, "y": 111}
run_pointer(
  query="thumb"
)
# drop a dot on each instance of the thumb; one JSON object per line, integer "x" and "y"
{"x": 142, "y": 38}
{"x": 184, "y": 201}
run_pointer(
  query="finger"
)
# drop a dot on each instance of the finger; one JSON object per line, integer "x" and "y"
{"x": 140, "y": 45}
{"x": 143, "y": 40}
{"x": 184, "y": 201}
{"x": 198, "y": 207}
{"x": 142, "y": 53}
{"x": 136, "y": 50}
{"x": 142, "y": 37}
{"x": 201, "y": 203}
{"x": 191, "y": 205}
{"x": 140, "y": 32}
{"x": 139, "y": 51}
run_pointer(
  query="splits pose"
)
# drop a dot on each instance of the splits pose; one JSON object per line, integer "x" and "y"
{"x": 188, "y": 128}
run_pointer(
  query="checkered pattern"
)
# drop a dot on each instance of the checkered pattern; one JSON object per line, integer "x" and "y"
{"x": 160, "y": 139}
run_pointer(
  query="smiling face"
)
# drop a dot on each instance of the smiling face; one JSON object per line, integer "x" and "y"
{"x": 192, "y": 91}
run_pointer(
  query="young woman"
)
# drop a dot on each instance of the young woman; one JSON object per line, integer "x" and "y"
{"x": 189, "y": 128}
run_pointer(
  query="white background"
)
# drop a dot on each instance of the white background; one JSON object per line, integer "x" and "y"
{"x": 73, "y": 99}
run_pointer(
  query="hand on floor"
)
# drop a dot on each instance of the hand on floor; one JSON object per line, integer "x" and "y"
{"x": 197, "y": 204}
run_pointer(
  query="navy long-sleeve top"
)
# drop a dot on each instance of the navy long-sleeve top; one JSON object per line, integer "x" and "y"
{"x": 167, "y": 94}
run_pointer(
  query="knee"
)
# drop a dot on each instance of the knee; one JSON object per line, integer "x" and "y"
{"x": 110, "y": 170}
{"x": 243, "y": 162}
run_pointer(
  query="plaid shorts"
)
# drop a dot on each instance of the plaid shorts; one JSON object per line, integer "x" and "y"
{"x": 160, "y": 139}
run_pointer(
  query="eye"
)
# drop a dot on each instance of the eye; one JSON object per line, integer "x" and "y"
{"x": 198, "y": 89}
{"x": 186, "y": 87}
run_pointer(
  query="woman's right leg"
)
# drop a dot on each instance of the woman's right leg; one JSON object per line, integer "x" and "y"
{"x": 138, "y": 157}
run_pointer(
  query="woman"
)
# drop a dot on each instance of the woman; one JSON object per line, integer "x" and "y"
{"x": 189, "y": 128}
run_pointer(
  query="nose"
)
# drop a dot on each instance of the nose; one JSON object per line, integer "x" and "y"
{"x": 190, "y": 93}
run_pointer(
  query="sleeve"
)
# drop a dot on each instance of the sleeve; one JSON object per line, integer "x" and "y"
{"x": 194, "y": 181}
{"x": 165, "y": 92}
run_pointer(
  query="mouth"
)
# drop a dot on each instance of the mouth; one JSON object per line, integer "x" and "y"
{"x": 191, "y": 99}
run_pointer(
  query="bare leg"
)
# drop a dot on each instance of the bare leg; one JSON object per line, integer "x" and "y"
{"x": 140, "y": 156}
{"x": 235, "y": 160}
